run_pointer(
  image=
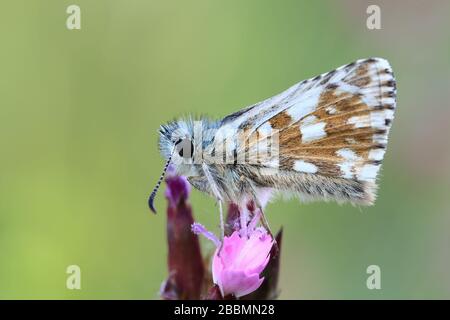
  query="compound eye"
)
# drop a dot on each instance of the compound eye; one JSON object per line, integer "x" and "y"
{"x": 185, "y": 148}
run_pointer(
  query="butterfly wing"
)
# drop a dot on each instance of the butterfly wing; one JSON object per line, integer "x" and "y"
{"x": 332, "y": 132}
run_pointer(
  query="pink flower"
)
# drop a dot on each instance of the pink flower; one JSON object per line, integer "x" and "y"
{"x": 240, "y": 259}
{"x": 237, "y": 265}
{"x": 246, "y": 262}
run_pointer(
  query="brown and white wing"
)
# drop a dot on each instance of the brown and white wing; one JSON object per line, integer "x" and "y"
{"x": 332, "y": 130}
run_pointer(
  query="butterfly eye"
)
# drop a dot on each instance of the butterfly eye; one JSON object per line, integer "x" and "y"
{"x": 185, "y": 148}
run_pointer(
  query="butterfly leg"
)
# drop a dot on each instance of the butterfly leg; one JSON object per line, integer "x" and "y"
{"x": 243, "y": 220}
{"x": 222, "y": 225}
{"x": 216, "y": 193}
{"x": 264, "y": 221}
{"x": 265, "y": 224}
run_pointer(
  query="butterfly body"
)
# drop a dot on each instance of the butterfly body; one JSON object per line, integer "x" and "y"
{"x": 322, "y": 139}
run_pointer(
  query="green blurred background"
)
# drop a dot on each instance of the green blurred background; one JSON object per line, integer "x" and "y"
{"x": 79, "y": 115}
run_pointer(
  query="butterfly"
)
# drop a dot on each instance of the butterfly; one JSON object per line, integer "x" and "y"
{"x": 322, "y": 139}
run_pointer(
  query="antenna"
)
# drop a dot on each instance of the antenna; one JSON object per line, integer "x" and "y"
{"x": 155, "y": 189}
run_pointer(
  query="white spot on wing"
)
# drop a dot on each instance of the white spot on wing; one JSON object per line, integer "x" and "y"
{"x": 377, "y": 119}
{"x": 346, "y": 168}
{"x": 350, "y": 161}
{"x": 368, "y": 172}
{"x": 360, "y": 121}
{"x": 369, "y": 97}
{"x": 302, "y": 166}
{"x": 380, "y": 138}
{"x": 347, "y": 154}
{"x": 389, "y": 101}
{"x": 383, "y": 64}
{"x": 311, "y": 132}
{"x": 376, "y": 154}
{"x": 389, "y": 114}
{"x": 302, "y": 105}
{"x": 346, "y": 88}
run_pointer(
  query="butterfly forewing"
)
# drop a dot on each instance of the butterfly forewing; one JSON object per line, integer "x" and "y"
{"x": 335, "y": 125}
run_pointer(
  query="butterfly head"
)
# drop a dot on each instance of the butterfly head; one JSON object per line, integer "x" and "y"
{"x": 176, "y": 143}
{"x": 185, "y": 140}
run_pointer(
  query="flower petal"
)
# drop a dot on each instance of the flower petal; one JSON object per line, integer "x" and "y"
{"x": 231, "y": 248}
{"x": 239, "y": 283}
{"x": 217, "y": 268}
{"x": 254, "y": 252}
{"x": 269, "y": 288}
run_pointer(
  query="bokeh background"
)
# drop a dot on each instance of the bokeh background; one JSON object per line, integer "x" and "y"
{"x": 80, "y": 110}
